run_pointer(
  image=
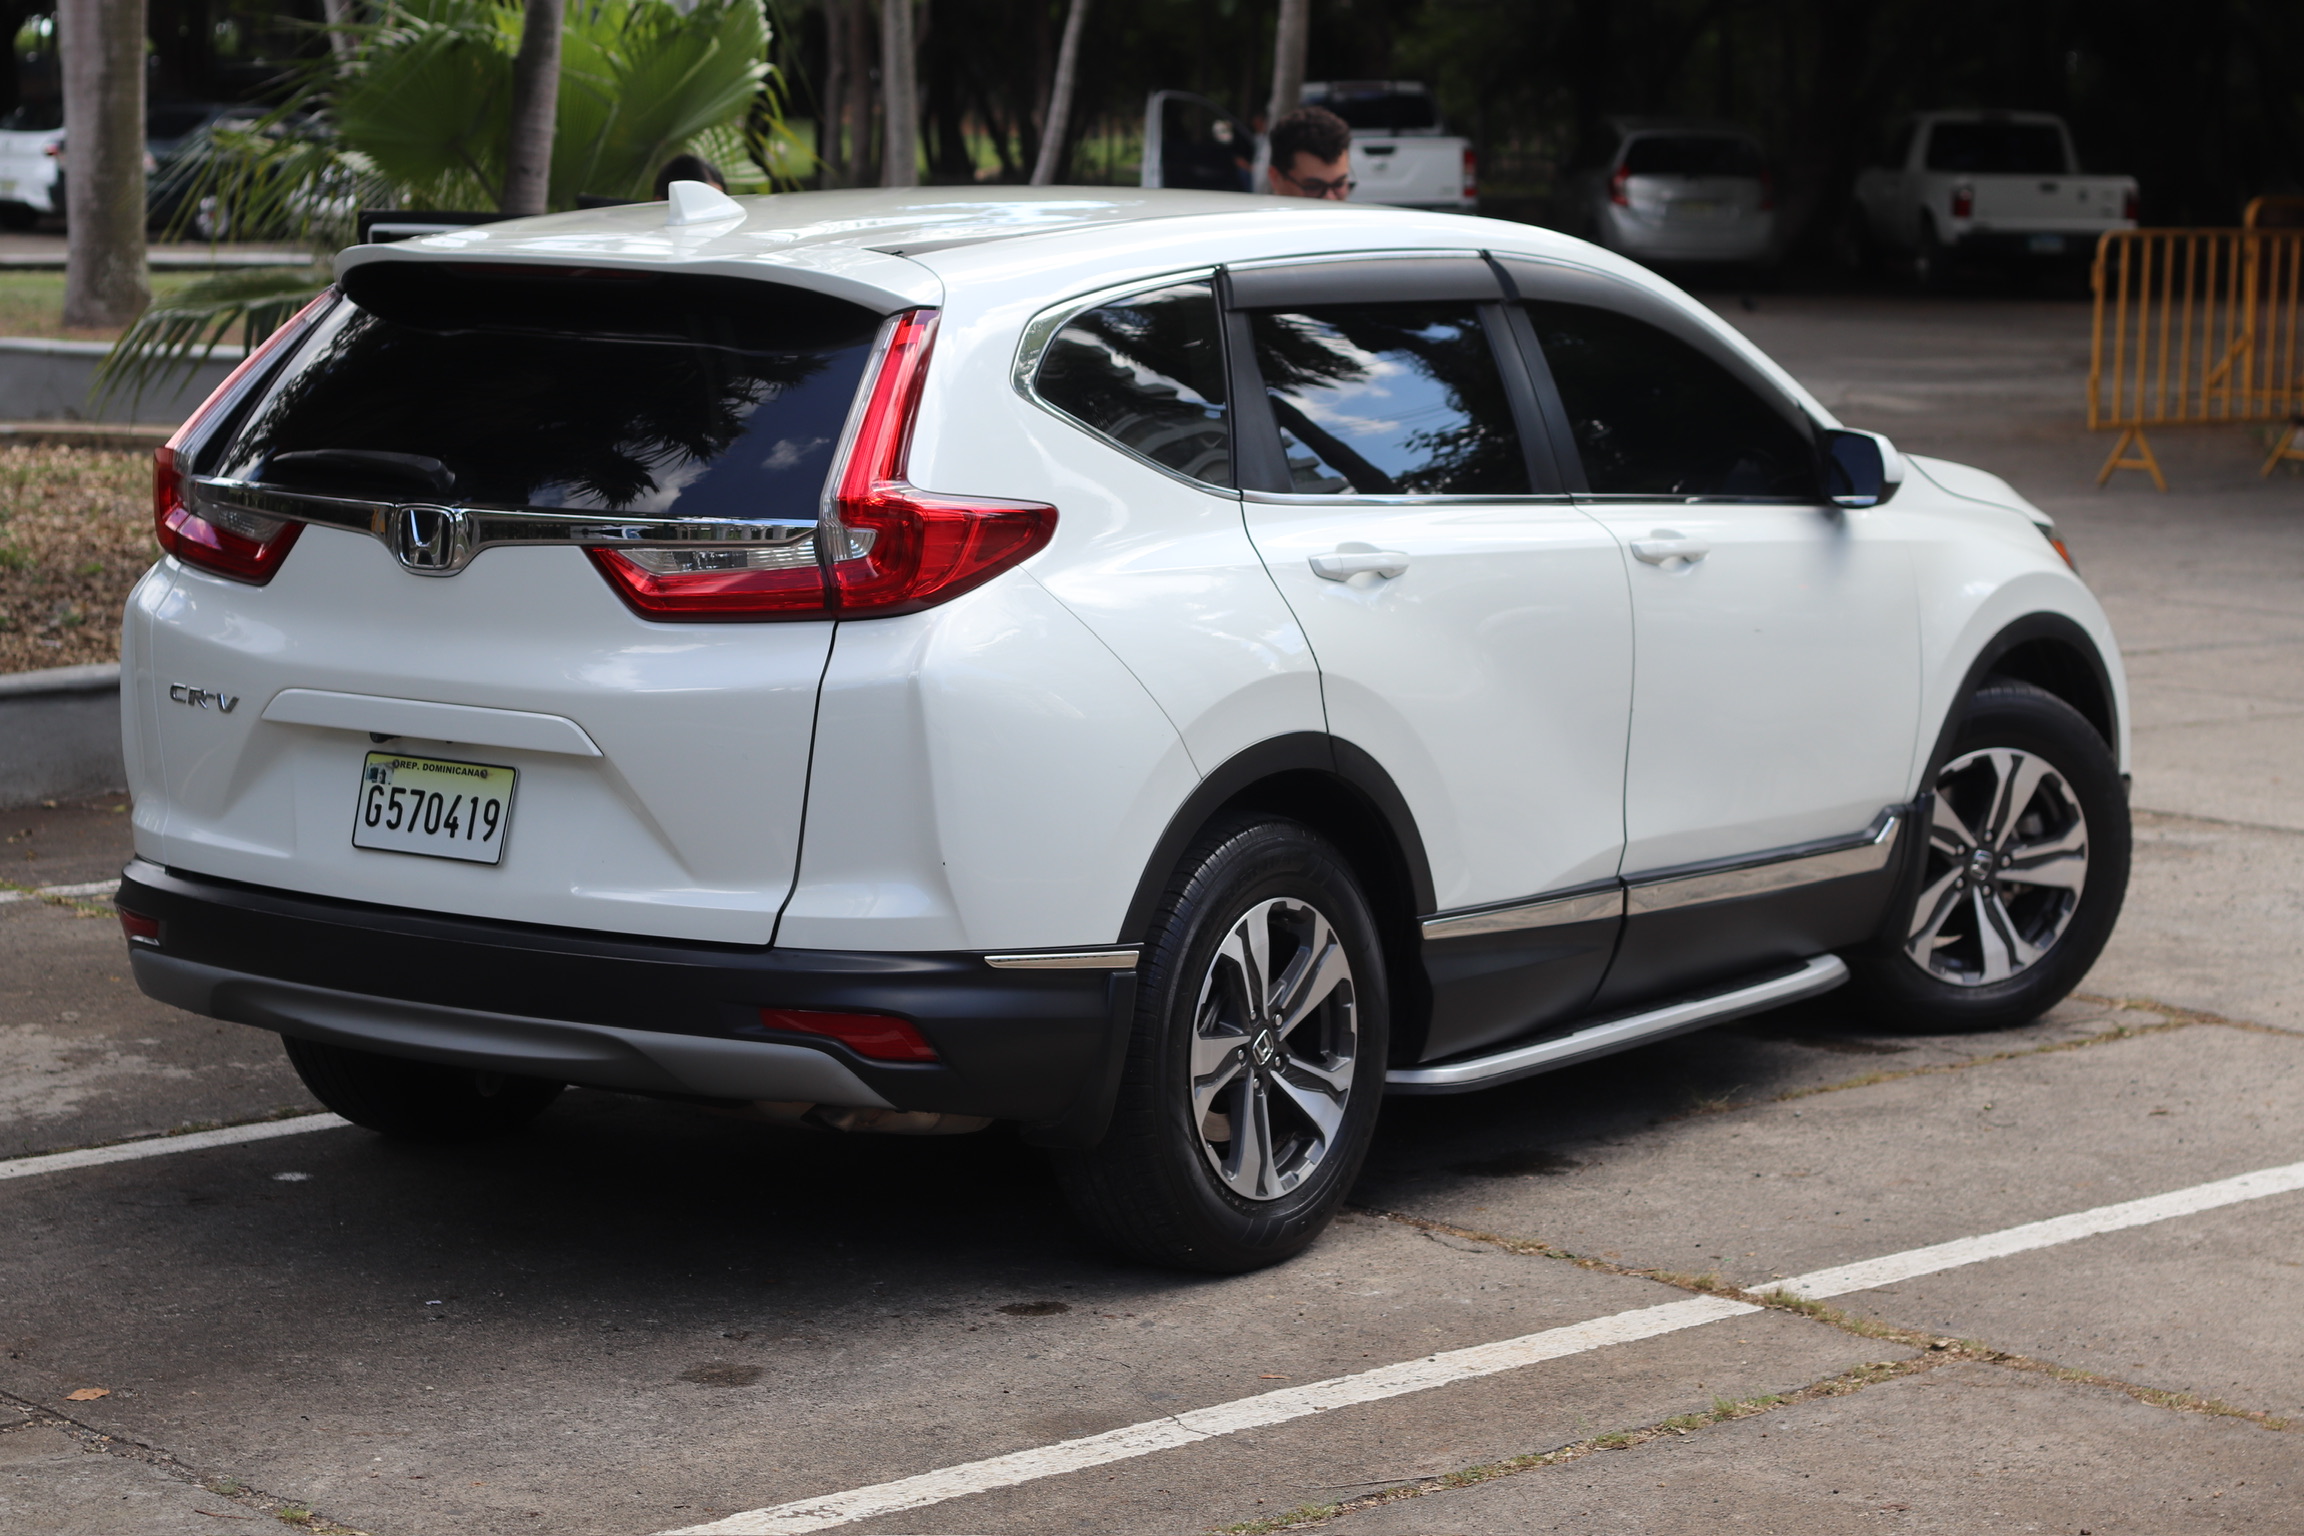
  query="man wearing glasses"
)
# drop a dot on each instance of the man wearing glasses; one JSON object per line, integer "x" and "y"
{"x": 1311, "y": 155}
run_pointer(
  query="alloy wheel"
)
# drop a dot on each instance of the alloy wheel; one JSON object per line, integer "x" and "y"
{"x": 1274, "y": 1048}
{"x": 2007, "y": 863}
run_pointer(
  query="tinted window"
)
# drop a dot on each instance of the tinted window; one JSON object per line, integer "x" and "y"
{"x": 1653, "y": 416}
{"x": 1692, "y": 154}
{"x": 1375, "y": 110}
{"x": 661, "y": 396}
{"x": 1390, "y": 399}
{"x": 2012, "y": 149}
{"x": 1148, "y": 373}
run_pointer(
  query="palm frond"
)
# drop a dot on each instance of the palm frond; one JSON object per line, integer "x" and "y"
{"x": 174, "y": 337}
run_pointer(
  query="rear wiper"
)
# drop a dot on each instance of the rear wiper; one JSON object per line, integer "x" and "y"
{"x": 435, "y": 476}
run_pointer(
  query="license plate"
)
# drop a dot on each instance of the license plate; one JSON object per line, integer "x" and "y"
{"x": 2045, "y": 245}
{"x": 1692, "y": 208}
{"x": 443, "y": 809}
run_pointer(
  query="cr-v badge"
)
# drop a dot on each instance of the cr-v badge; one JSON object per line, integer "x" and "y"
{"x": 201, "y": 698}
{"x": 429, "y": 540}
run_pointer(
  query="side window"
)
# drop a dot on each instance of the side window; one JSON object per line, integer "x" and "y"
{"x": 1147, "y": 372}
{"x": 1653, "y": 416}
{"x": 1389, "y": 400}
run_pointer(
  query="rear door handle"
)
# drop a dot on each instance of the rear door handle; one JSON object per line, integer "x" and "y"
{"x": 1349, "y": 560}
{"x": 1665, "y": 545}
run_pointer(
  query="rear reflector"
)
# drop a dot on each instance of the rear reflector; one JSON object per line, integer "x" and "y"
{"x": 879, "y": 1036}
{"x": 888, "y": 546}
{"x": 139, "y": 928}
{"x": 237, "y": 544}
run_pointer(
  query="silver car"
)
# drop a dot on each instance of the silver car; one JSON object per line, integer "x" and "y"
{"x": 1676, "y": 193}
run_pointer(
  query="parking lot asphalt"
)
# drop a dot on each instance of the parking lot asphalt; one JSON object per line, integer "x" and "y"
{"x": 640, "y": 1317}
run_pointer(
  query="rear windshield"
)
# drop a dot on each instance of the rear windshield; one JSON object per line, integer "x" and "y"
{"x": 35, "y": 117}
{"x": 660, "y": 396}
{"x": 1692, "y": 154}
{"x": 1380, "y": 111}
{"x": 2009, "y": 149}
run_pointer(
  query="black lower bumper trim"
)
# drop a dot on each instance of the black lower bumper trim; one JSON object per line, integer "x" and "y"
{"x": 1013, "y": 1044}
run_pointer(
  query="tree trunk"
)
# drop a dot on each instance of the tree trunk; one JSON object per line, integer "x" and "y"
{"x": 339, "y": 15}
{"x": 856, "y": 169}
{"x": 831, "y": 107}
{"x": 102, "y": 43}
{"x": 535, "y": 109}
{"x": 1289, "y": 42}
{"x": 1054, "y": 126}
{"x": 900, "y": 86}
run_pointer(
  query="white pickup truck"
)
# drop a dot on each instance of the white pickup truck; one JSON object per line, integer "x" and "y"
{"x": 1984, "y": 187}
{"x": 1400, "y": 153}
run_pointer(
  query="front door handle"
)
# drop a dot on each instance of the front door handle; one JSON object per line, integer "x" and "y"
{"x": 1665, "y": 545}
{"x": 1349, "y": 560}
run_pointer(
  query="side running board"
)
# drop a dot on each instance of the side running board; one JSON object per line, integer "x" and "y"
{"x": 1817, "y": 975}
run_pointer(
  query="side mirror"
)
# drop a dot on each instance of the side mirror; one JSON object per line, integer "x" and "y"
{"x": 1861, "y": 469}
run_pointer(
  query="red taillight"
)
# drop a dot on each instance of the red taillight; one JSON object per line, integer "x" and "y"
{"x": 1471, "y": 173}
{"x": 731, "y": 592}
{"x": 1963, "y": 202}
{"x": 2131, "y": 206}
{"x": 897, "y": 549}
{"x": 235, "y": 544}
{"x": 913, "y": 549}
{"x": 1616, "y": 192}
{"x": 239, "y": 545}
{"x": 878, "y": 1036}
{"x": 139, "y": 928}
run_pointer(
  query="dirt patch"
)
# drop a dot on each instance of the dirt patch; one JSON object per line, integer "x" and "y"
{"x": 75, "y": 534}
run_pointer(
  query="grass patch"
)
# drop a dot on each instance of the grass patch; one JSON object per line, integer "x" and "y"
{"x": 32, "y": 304}
{"x": 75, "y": 534}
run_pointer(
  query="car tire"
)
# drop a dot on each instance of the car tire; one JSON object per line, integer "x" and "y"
{"x": 2022, "y": 876}
{"x": 1261, "y": 1006}
{"x": 417, "y": 1100}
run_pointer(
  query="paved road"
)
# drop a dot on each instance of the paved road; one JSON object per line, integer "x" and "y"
{"x": 641, "y": 1317}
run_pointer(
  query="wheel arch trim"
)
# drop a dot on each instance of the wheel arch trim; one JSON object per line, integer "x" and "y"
{"x": 1299, "y": 752}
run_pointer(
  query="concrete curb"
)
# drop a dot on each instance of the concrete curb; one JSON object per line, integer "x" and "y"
{"x": 48, "y": 380}
{"x": 60, "y": 734}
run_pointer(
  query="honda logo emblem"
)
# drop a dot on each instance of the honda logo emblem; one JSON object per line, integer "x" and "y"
{"x": 431, "y": 541}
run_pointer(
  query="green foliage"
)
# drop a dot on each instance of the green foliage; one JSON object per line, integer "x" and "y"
{"x": 418, "y": 117}
{"x": 639, "y": 81}
{"x": 181, "y": 331}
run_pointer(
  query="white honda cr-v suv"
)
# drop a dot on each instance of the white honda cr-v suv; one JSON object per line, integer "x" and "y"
{"x": 1165, "y": 669}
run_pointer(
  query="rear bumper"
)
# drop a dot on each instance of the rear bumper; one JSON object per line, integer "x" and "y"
{"x": 646, "y": 1015}
{"x": 2025, "y": 245}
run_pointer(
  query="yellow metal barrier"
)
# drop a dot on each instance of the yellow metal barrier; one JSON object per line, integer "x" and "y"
{"x": 2274, "y": 211}
{"x": 2196, "y": 326}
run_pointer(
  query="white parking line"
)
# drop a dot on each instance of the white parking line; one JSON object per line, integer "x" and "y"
{"x": 2043, "y": 1234}
{"x": 104, "y": 888}
{"x": 1465, "y": 1365}
{"x": 163, "y": 1146}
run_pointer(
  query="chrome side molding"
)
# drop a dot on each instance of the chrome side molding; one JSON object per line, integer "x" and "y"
{"x": 1546, "y": 912}
{"x": 1121, "y": 958}
{"x": 1607, "y": 1036}
{"x": 1866, "y": 853}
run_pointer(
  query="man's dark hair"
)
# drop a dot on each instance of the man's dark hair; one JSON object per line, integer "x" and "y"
{"x": 1313, "y": 131}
